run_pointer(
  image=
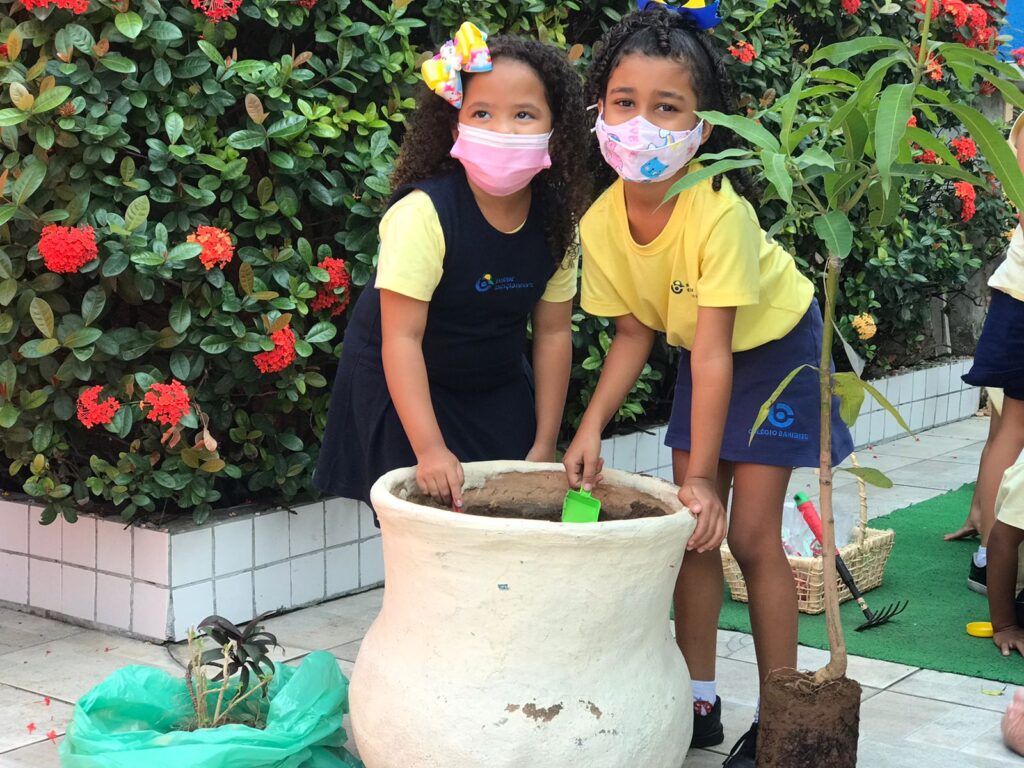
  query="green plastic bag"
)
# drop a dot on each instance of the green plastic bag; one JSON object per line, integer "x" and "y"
{"x": 126, "y": 722}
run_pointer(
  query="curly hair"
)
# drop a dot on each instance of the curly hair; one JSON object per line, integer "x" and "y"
{"x": 564, "y": 190}
{"x": 658, "y": 33}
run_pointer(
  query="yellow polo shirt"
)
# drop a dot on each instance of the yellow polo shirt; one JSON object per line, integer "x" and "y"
{"x": 1010, "y": 508}
{"x": 412, "y": 250}
{"x": 1009, "y": 278}
{"x": 712, "y": 253}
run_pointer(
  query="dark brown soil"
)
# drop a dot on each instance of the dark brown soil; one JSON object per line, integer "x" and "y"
{"x": 539, "y": 496}
{"x": 807, "y": 725}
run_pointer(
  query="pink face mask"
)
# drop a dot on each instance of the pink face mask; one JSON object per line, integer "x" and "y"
{"x": 640, "y": 151}
{"x": 501, "y": 164}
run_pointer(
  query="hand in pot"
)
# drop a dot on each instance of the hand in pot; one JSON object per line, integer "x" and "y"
{"x": 582, "y": 460}
{"x": 439, "y": 473}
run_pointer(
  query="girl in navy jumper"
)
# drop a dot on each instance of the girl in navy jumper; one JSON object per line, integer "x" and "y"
{"x": 480, "y": 237}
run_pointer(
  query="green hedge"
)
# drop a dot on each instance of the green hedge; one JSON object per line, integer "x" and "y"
{"x": 231, "y": 176}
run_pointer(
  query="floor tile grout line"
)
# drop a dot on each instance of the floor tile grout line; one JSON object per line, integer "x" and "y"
{"x": 38, "y": 693}
{"x": 27, "y": 746}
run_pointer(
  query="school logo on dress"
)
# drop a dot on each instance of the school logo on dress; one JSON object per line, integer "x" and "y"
{"x": 678, "y": 287}
{"x": 491, "y": 283}
{"x": 781, "y": 416}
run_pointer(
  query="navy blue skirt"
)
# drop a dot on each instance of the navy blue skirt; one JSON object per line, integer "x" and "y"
{"x": 999, "y": 358}
{"x": 790, "y": 437}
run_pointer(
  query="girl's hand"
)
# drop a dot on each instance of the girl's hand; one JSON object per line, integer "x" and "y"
{"x": 701, "y": 498}
{"x": 543, "y": 454}
{"x": 1009, "y": 640}
{"x": 439, "y": 473}
{"x": 582, "y": 460}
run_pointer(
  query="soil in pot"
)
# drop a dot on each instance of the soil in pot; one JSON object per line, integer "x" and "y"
{"x": 539, "y": 496}
{"x": 805, "y": 724}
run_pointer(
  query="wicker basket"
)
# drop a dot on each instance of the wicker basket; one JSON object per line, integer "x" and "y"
{"x": 866, "y": 559}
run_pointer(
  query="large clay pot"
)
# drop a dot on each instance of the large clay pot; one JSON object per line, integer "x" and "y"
{"x": 507, "y": 643}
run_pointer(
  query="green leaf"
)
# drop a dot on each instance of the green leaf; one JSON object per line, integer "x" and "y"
{"x": 42, "y": 316}
{"x": 38, "y": 348}
{"x": 287, "y": 127}
{"x": 118, "y": 64}
{"x": 180, "y": 316}
{"x": 745, "y": 127}
{"x": 34, "y": 399}
{"x": 128, "y": 24}
{"x": 51, "y": 99}
{"x": 12, "y": 116}
{"x": 693, "y": 178}
{"x": 247, "y": 139}
{"x": 290, "y": 441}
{"x": 766, "y": 407}
{"x": 164, "y": 32}
{"x": 777, "y": 173}
{"x": 869, "y": 475}
{"x": 321, "y": 332}
{"x": 246, "y": 278}
{"x": 215, "y": 345}
{"x": 790, "y": 102}
{"x": 161, "y": 71}
{"x": 211, "y": 52}
{"x": 840, "y": 52}
{"x": 82, "y": 337}
{"x": 32, "y": 176}
{"x": 925, "y": 140}
{"x": 136, "y": 214}
{"x": 847, "y": 387}
{"x": 887, "y": 405}
{"x": 836, "y": 232}
{"x": 894, "y": 111}
{"x": 174, "y": 125}
{"x": 8, "y": 415}
{"x": 995, "y": 149}
{"x": 92, "y": 304}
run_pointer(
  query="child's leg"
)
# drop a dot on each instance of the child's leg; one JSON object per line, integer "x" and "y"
{"x": 698, "y": 594}
{"x": 755, "y": 540}
{"x": 1001, "y": 451}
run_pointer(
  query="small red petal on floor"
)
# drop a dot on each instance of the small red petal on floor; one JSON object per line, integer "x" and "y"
{"x": 46, "y": 701}
{"x": 31, "y": 728}
{"x": 47, "y": 653}
{"x": 52, "y": 736}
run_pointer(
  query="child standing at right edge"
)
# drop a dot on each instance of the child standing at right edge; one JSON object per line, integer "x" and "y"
{"x": 700, "y": 269}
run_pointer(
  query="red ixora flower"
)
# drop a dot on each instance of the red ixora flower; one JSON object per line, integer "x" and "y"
{"x": 281, "y": 356}
{"x": 743, "y": 51}
{"x": 91, "y": 411}
{"x": 77, "y": 7}
{"x": 326, "y": 297}
{"x": 965, "y": 148}
{"x": 850, "y": 7}
{"x": 986, "y": 88}
{"x": 927, "y": 156}
{"x": 67, "y": 249}
{"x": 977, "y": 17}
{"x": 3, "y": 50}
{"x": 965, "y": 191}
{"x": 217, "y": 246}
{"x": 1018, "y": 55}
{"x": 169, "y": 403}
{"x": 922, "y": 4}
{"x": 912, "y": 122}
{"x": 217, "y": 10}
{"x": 958, "y": 10}
{"x": 307, "y": 4}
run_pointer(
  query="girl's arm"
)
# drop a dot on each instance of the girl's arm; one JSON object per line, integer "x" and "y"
{"x": 403, "y": 319}
{"x": 552, "y": 358}
{"x": 711, "y": 372}
{"x": 626, "y": 358}
{"x": 1020, "y": 164}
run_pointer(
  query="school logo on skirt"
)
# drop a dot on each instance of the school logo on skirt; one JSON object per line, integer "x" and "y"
{"x": 490, "y": 283}
{"x": 782, "y": 417}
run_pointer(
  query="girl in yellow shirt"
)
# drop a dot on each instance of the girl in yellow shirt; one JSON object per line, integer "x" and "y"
{"x": 700, "y": 269}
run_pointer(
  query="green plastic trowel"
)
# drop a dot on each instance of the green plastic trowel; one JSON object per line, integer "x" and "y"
{"x": 580, "y": 507}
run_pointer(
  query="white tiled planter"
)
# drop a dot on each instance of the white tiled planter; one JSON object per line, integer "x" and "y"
{"x": 156, "y": 583}
{"x": 926, "y": 398}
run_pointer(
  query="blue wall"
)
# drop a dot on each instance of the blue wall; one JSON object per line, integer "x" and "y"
{"x": 1014, "y": 24}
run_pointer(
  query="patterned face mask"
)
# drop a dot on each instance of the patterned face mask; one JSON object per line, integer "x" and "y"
{"x": 640, "y": 151}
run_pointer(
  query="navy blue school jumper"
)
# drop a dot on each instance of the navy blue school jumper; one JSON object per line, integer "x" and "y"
{"x": 474, "y": 344}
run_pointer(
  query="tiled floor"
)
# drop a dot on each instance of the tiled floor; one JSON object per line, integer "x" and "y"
{"x": 909, "y": 717}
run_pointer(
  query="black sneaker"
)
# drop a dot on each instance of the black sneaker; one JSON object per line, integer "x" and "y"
{"x": 744, "y": 752}
{"x": 977, "y": 580}
{"x": 707, "y": 729}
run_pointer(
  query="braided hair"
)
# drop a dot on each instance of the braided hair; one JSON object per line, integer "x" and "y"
{"x": 564, "y": 190}
{"x": 660, "y": 33}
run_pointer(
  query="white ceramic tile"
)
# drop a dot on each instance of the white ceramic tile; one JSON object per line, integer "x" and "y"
{"x": 306, "y": 529}
{"x": 970, "y": 401}
{"x": 348, "y": 651}
{"x": 14, "y": 578}
{"x": 929, "y": 412}
{"x": 951, "y": 730}
{"x": 190, "y": 605}
{"x": 664, "y": 451}
{"x": 956, "y": 689}
{"x": 271, "y": 531}
{"x": 665, "y": 473}
{"x": 625, "y": 452}
{"x": 45, "y": 540}
{"x": 877, "y": 430}
{"x": 150, "y": 610}
{"x": 890, "y": 427}
{"x": 989, "y": 744}
{"x": 78, "y": 593}
{"x": 895, "y": 390}
{"x": 342, "y": 569}
{"x": 868, "y": 672}
{"x": 44, "y": 584}
{"x": 234, "y": 597}
{"x": 14, "y": 523}
{"x": 918, "y": 385}
{"x": 366, "y": 527}
{"x": 232, "y": 544}
{"x": 371, "y": 562}
{"x": 113, "y": 547}
{"x": 342, "y": 521}
{"x": 608, "y": 451}
{"x": 191, "y": 556}
{"x": 307, "y": 578}
{"x": 273, "y": 587}
{"x": 646, "y": 452}
{"x": 931, "y": 382}
{"x": 78, "y": 542}
{"x": 151, "y": 550}
{"x": 916, "y": 420}
{"x": 329, "y": 624}
{"x": 113, "y": 601}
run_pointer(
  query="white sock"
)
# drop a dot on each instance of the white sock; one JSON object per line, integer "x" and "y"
{"x": 704, "y": 690}
{"x": 981, "y": 557}
{"x": 757, "y": 711}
